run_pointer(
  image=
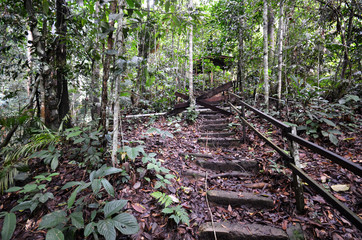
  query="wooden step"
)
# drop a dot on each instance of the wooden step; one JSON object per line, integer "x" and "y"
{"x": 214, "y": 127}
{"x": 217, "y": 134}
{"x": 211, "y": 116}
{"x": 239, "y": 231}
{"x": 219, "y": 142}
{"x": 235, "y": 165}
{"x": 214, "y": 121}
{"x": 238, "y": 199}
{"x": 197, "y": 155}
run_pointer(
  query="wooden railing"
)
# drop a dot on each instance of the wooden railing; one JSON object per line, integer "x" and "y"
{"x": 292, "y": 160}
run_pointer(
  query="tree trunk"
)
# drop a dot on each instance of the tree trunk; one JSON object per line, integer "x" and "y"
{"x": 61, "y": 61}
{"x": 106, "y": 71}
{"x": 280, "y": 51}
{"x": 265, "y": 36}
{"x": 241, "y": 53}
{"x": 191, "y": 84}
{"x": 271, "y": 34}
{"x": 116, "y": 114}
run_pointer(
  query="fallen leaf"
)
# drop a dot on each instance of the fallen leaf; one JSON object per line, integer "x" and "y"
{"x": 229, "y": 208}
{"x": 340, "y": 187}
{"x": 137, "y": 185}
{"x": 138, "y": 207}
{"x": 174, "y": 198}
{"x": 340, "y": 198}
{"x": 285, "y": 225}
{"x": 324, "y": 179}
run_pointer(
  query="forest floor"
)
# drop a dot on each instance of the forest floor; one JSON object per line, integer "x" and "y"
{"x": 319, "y": 220}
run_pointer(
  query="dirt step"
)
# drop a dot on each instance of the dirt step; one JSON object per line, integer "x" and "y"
{"x": 235, "y": 165}
{"x": 202, "y": 174}
{"x": 219, "y": 142}
{"x": 214, "y": 121}
{"x": 238, "y": 199}
{"x": 238, "y": 231}
{"x": 217, "y": 134}
{"x": 197, "y": 155}
{"x": 211, "y": 116}
{"x": 214, "y": 127}
{"x": 208, "y": 112}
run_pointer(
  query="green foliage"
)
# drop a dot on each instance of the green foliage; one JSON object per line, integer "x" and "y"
{"x": 112, "y": 218}
{"x": 17, "y": 156}
{"x": 97, "y": 180}
{"x": 89, "y": 141}
{"x": 191, "y": 115}
{"x": 50, "y": 156}
{"x": 8, "y": 225}
{"x": 163, "y": 134}
{"x": 177, "y": 213}
{"x": 34, "y": 193}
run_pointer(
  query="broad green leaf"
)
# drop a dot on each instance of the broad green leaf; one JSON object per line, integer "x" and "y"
{"x": 90, "y": 228}
{"x": 71, "y": 184}
{"x": 73, "y": 134}
{"x": 45, "y": 197}
{"x": 54, "y": 163}
{"x": 111, "y": 170}
{"x": 329, "y": 122}
{"x": 333, "y": 139}
{"x": 22, "y": 206}
{"x": 54, "y": 234}
{"x": 156, "y": 195}
{"x": 126, "y": 223}
{"x": 167, "y": 5}
{"x": 106, "y": 228}
{"x": 96, "y": 185}
{"x": 13, "y": 189}
{"x": 72, "y": 197}
{"x": 130, "y": 3}
{"x": 113, "y": 207}
{"x": 29, "y": 187}
{"x": 53, "y": 219}
{"x": 132, "y": 153}
{"x": 8, "y": 226}
{"x": 77, "y": 219}
{"x": 167, "y": 210}
{"x": 109, "y": 188}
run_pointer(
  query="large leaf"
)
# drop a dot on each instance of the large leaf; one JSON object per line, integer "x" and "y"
{"x": 22, "y": 206}
{"x": 106, "y": 228}
{"x": 54, "y": 234}
{"x": 53, "y": 219}
{"x": 132, "y": 153}
{"x": 8, "y": 226}
{"x": 90, "y": 228}
{"x": 77, "y": 219}
{"x": 96, "y": 185}
{"x": 329, "y": 122}
{"x": 109, "y": 188}
{"x": 126, "y": 223}
{"x": 113, "y": 207}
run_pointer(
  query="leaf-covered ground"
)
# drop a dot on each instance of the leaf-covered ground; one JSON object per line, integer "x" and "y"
{"x": 319, "y": 221}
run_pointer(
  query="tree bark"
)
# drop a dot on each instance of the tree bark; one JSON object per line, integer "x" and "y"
{"x": 241, "y": 53}
{"x": 61, "y": 61}
{"x": 265, "y": 36}
{"x": 271, "y": 34}
{"x": 191, "y": 84}
{"x": 280, "y": 51}
{"x": 116, "y": 114}
{"x": 106, "y": 71}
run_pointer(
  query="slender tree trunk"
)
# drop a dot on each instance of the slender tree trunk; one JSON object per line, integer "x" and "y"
{"x": 241, "y": 54}
{"x": 266, "y": 73}
{"x": 61, "y": 61}
{"x": 280, "y": 51}
{"x": 116, "y": 115}
{"x": 106, "y": 71}
{"x": 30, "y": 62}
{"x": 191, "y": 83}
{"x": 271, "y": 34}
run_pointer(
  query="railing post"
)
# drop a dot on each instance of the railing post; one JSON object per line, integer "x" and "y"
{"x": 297, "y": 182}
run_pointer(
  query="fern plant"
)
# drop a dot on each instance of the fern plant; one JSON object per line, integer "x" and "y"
{"x": 177, "y": 213}
{"x": 16, "y": 157}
